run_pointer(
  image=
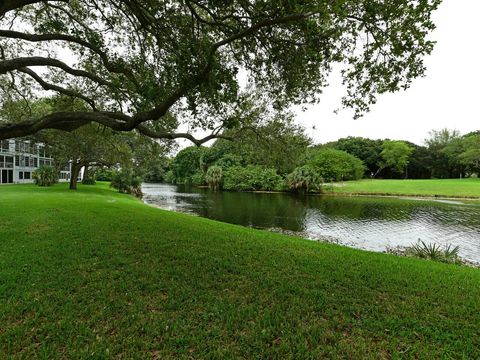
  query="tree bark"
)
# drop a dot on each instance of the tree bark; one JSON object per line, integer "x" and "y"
{"x": 76, "y": 167}
{"x": 86, "y": 174}
{"x": 9, "y": 5}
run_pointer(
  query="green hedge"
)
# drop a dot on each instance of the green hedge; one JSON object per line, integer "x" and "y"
{"x": 251, "y": 178}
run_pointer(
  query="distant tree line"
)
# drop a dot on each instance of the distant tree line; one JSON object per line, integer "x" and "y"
{"x": 280, "y": 156}
{"x": 446, "y": 154}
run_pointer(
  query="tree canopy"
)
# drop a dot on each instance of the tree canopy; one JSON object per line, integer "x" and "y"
{"x": 151, "y": 65}
{"x": 396, "y": 154}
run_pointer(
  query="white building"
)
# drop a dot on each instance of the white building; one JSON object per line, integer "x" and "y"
{"x": 19, "y": 159}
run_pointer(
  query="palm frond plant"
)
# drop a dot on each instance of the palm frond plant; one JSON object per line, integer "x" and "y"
{"x": 304, "y": 178}
{"x": 435, "y": 252}
{"x": 214, "y": 177}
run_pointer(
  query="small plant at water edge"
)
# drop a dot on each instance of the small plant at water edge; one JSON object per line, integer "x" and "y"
{"x": 447, "y": 254}
{"x": 214, "y": 177}
{"x": 126, "y": 181}
{"x": 304, "y": 178}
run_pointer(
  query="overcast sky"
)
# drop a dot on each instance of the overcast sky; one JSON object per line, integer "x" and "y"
{"x": 447, "y": 97}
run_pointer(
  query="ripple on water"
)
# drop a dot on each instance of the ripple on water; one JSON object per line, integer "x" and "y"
{"x": 364, "y": 222}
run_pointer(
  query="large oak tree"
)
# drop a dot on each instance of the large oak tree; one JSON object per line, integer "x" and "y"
{"x": 148, "y": 65}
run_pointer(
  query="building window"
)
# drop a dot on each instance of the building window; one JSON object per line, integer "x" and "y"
{"x": 4, "y": 146}
{"x": 26, "y": 175}
{"x": 20, "y": 175}
{"x": 9, "y": 162}
{"x": 17, "y": 160}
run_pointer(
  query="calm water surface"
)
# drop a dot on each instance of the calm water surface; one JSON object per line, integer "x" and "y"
{"x": 371, "y": 223}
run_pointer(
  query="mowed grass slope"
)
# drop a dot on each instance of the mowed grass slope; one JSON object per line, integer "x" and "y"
{"x": 463, "y": 188}
{"x": 95, "y": 274}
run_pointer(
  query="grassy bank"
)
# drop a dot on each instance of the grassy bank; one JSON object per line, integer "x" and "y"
{"x": 96, "y": 274}
{"x": 461, "y": 188}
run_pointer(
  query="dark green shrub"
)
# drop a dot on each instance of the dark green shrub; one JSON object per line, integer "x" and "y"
{"x": 251, "y": 178}
{"x": 155, "y": 173}
{"x": 198, "y": 179}
{"x": 229, "y": 160}
{"x": 186, "y": 164}
{"x": 305, "y": 178}
{"x": 126, "y": 181}
{"x": 214, "y": 177}
{"x": 45, "y": 176}
{"x": 88, "y": 181}
{"x": 104, "y": 174}
{"x": 169, "y": 177}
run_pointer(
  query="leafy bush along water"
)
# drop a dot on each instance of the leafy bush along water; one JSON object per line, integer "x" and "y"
{"x": 197, "y": 179}
{"x": 251, "y": 178}
{"x": 304, "y": 178}
{"x": 186, "y": 164}
{"x": 336, "y": 165}
{"x": 169, "y": 177}
{"x": 126, "y": 181}
{"x": 214, "y": 177}
{"x": 45, "y": 176}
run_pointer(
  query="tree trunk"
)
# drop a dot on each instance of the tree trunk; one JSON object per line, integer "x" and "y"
{"x": 377, "y": 172}
{"x": 74, "y": 176}
{"x": 85, "y": 173}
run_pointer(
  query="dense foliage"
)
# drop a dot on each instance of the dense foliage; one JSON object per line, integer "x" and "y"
{"x": 214, "y": 177}
{"x": 367, "y": 150}
{"x": 45, "y": 176}
{"x": 336, "y": 165}
{"x": 251, "y": 178}
{"x": 395, "y": 155}
{"x": 254, "y": 161}
{"x": 446, "y": 154}
{"x": 186, "y": 164}
{"x": 152, "y": 65}
{"x": 90, "y": 180}
{"x": 305, "y": 178}
{"x": 126, "y": 181}
{"x": 104, "y": 174}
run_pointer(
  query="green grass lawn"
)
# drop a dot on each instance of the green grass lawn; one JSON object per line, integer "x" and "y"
{"x": 464, "y": 188}
{"x": 95, "y": 274}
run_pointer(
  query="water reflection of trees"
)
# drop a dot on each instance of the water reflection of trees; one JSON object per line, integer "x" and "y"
{"x": 289, "y": 211}
{"x": 258, "y": 210}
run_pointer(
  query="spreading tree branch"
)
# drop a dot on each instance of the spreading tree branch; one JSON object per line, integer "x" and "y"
{"x": 9, "y": 5}
{"x": 59, "y": 89}
{"x": 22, "y": 62}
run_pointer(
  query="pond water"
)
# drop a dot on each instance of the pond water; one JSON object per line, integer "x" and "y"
{"x": 370, "y": 223}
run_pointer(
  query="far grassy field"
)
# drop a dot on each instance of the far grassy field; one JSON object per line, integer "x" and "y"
{"x": 95, "y": 274}
{"x": 465, "y": 188}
